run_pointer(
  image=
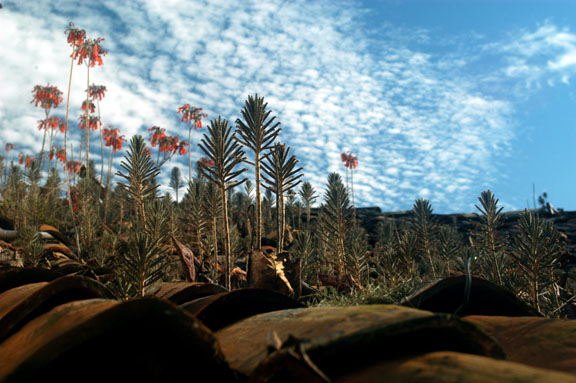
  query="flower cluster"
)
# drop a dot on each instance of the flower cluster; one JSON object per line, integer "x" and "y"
{"x": 8, "y": 147}
{"x": 76, "y": 36}
{"x": 97, "y": 92}
{"x": 73, "y": 166}
{"x": 157, "y": 134}
{"x": 90, "y": 105}
{"x": 350, "y": 160}
{"x": 192, "y": 114}
{"x": 112, "y": 138}
{"x": 47, "y": 96}
{"x": 90, "y": 52}
{"x": 57, "y": 152}
{"x": 206, "y": 162}
{"x": 166, "y": 144}
{"x": 93, "y": 122}
{"x": 26, "y": 160}
{"x": 182, "y": 147}
{"x": 169, "y": 144}
{"x": 53, "y": 123}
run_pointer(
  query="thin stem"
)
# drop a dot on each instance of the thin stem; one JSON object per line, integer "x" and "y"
{"x": 86, "y": 125}
{"x": 189, "y": 153}
{"x": 101, "y": 143}
{"x": 68, "y": 108}
{"x": 47, "y": 113}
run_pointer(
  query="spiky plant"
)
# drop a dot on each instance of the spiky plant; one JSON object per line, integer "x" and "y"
{"x": 143, "y": 260}
{"x": 140, "y": 176}
{"x": 357, "y": 254}
{"x": 176, "y": 181}
{"x": 491, "y": 243}
{"x": 449, "y": 247}
{"x": 257, "y": 132}
{"x": 195, "y": 214}
{"x": 536, "y": 250}
{"x": 425, "y": 229}
{"x": 222, "y": 148}
{"x": 281, "y": 176}
{"x": 305, "y": 249}
{"x": 267, "y": 210}
{"x": 212, "y": 207}
{"x": 406, "y": 246}
{"x": 308, "y": 197}
{"x": 335, "y": 220}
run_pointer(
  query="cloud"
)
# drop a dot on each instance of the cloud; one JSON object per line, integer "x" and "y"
{"x": 421, "y": 126}
{"x": 546, "y": 54}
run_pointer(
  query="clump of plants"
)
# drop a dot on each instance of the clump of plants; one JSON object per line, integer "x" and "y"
{"x": 117, "y": 227}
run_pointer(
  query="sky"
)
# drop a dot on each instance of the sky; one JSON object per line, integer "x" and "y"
{"x": 440, "y": 99}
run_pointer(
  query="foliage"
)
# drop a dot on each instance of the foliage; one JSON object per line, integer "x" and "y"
{"x": 257, "y": 132}
{"x": 536, "y": 251}
{"x": 221, "y": 147}
{"x": 140, "y": 174}
{"x": 280, "y": 177}
{"x": 334, "y": 222}
{"x": 126, "y": 229}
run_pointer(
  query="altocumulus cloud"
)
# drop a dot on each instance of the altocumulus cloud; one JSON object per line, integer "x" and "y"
{"x": 421, "y": 126}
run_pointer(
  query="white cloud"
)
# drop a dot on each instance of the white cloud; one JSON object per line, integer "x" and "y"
{"x": 421, "y": 128}
{"x": 543, "y": 55}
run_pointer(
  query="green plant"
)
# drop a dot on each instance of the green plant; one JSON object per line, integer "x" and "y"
{"x": 221, "y": 147}
{"x": 140, "y": 174}
{"x": 176, "y": 181}
{"x": 335, "y": 221}
{"x": 280, "y": 177}
{"x": 357, "y": 254}
{"x": 195, "y": 214}
{"x": 492, "y": 245}
{"x": 308, "y": 197}
{"x": 425, "y": 229}
{"x": 536, "y": 251}
{"x": 257, "y": 132}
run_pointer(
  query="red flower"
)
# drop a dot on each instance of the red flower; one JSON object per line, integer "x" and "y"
{"x": 73, "y": 166}
{"x": 47, "y": 96}
{"x": 76, "y": 36}
{"x": 148, "y": 152}
{"x": 93, "y": 122}
{"x": 8, "y": 147}
{"x": 157, "y": 135}
{"x": 190, "y": 113}
{"x": 113, "y": 139}
{"x": 182, "y": 147}
{"x": 97, "y": 92}
{"x": 90, "y": 52}
{"x": 51, "y": 123}
{"x": 350, "y": 161}
{"x": 206, "y": 162}
{"x": 169, "y": 144}
{"x": 57, "y": 152}
{"x": 26, "y": 160}
{"x": 91, "y": 106}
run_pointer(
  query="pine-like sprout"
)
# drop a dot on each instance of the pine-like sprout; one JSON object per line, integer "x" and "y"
{"x": 222, "y": 148}
{"x": 280, "y": 176}
{"x": 140, "y": 174}
{"x": 491, "y": 244}
{"x": 425, "y": 230}
{"x": 176, "y": 181}
{"x": 335, "y": 220}
{"x": 196, "y": 217}
{"x": 308, "y": 197}
{"x": 536, "y": 250}
{"x": 257, "y": 132}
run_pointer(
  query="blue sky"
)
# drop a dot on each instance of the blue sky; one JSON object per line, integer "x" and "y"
{"x": 440, "y": 99}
